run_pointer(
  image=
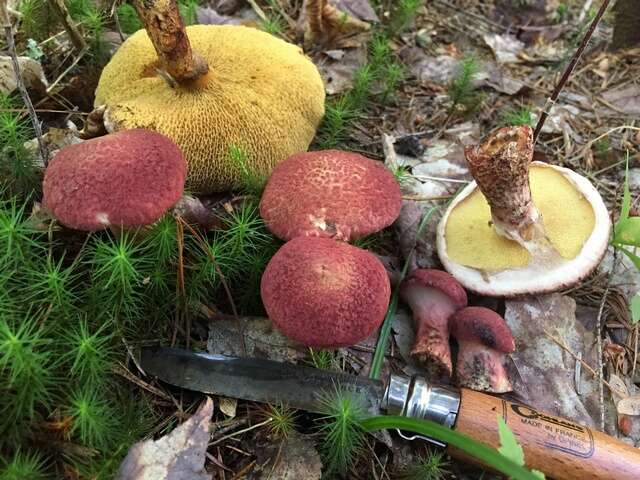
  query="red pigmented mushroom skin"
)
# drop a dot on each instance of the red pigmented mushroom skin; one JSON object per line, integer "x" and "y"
{"x": 127, "y": 179}
{"x": 330, "y": 194}
{"x": 324, "y": 293}
{"x": 483, "y": 339}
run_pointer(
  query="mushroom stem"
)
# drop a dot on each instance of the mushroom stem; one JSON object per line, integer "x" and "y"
{"x": 431, "y": 312}
{"x": 482, "y": 368}
{"x": 162, "y": 21}
{"x": 500, "y": 166}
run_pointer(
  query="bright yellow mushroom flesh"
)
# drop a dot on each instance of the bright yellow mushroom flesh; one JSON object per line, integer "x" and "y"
{"x": 567, "y": 216}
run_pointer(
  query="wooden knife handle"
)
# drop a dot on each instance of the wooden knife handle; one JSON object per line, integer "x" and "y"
{"x": 557, "y": 447}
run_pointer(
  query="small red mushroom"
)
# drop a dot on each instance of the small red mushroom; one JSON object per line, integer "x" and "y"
{"x": 484, "y": 338}
{"x": 433, "y": 296}
{"x": 127, "y": 179}
{"x": 331, "y": 194}
{"x": 324, "y": 293}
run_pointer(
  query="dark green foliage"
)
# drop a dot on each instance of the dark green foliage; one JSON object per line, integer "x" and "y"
{"x": 381, "y": 73}
{"x": 462, "y": 92}
{"x": 188, "y": 10}
{"x": 23, "y": 466}
{"x": 403, "y": 15}
{"x": 128, "y": 19}
{"x": 94, "y": 25}
{"x": 343, "y": 436}
{"x": 26, "y": 372}
{"x": 118, "y": 269}
{"x": 431, "y": 466}
{"x": 18, "y": 172}
{"x": 92, "y": 416}
{"x": 91, "y": 351}
{"x": 336, "y": 122}
{"x": 519, "y": 116}
{"x": 251, "y": 181}
{"x": 282, "y": 420}
{"x": 33, "y": 17}
{"x": 239, "y": 253}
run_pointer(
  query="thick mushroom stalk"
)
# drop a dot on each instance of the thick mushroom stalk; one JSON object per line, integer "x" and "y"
{"x": 433, "y": 296}
{"x": 484, "y": 339}
{"x": 162, "y": 21}
{"x": 500, "y": 167}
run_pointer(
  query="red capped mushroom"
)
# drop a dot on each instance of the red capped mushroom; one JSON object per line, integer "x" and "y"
{"x": 484, "y": 339}
{"x": 324, "y": 293}
{"x": 127, "y": 179}
{"x": 331, "y": 194}
{"x": 433, "y": 296}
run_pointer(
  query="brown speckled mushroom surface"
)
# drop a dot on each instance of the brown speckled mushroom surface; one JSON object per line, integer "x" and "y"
{"x": 330, "y": 193}
{"x": 127, "y": 179}
{"x": 324, "y": 293}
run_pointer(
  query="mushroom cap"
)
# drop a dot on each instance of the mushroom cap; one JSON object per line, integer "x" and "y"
{"x": 576, "y": 222}
{"x": 261, "y": 94}
{"x": 482, "y": 325}
{"x": 330, "y": 193}
{"x": 324, "y": 293}
{"x": 441, "y": 281}
{"x": 129, "y": 179}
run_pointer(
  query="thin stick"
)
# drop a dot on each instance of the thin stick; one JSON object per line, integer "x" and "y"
{"x": 601, "y": 380}
{"x": 8, "y": 32}
{"x": 570, "y": 68}
{"x": 69, "y": 25}
{"x": 562, "y": 345}
{"x": 166, "y": 30}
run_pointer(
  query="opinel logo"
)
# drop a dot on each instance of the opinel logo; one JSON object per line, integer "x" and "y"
{"x": 554, "y": 433}
{"x": 527, "y": 412}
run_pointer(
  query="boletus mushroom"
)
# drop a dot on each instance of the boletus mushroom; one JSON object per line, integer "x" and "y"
{"x": 433, "y": 296}
{"x": 324, "y": 293}
{"x": 331, "y": 194}
{"x": 125, "y": 180}
{"x": 522, "y": 227}
{"x": 210, "y": 88}
{"x": 484, "y": 339}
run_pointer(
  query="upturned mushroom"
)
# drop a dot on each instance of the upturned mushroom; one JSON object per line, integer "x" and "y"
{"x": 433, "y": 296}
{"x": 484, "y": 339}
{"x": 331, "y": 194}
{"x": 210, "y": 88}
{"x": 324, "y": 293}
{"x": 125, "y": 180}
{"x": 522, "y": 227}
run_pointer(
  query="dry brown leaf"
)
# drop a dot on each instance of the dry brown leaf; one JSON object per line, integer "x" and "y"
{"x": 228, "y": 406}
{"x": 629, "y": 406}
{"x": 180, "y": 455}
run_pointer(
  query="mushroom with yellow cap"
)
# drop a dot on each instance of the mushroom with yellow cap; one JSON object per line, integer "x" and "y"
{"x": 210, "y": 88}
{"x": 521, "y": 227}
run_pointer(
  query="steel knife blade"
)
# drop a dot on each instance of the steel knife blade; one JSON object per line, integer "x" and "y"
{"x": 254, "y": 379}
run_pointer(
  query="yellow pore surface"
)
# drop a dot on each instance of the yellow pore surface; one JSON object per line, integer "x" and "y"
{"x": 567, "y": 216}
{"x": 261, "y": 94}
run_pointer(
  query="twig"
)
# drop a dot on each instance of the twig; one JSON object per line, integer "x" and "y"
{"x": 67, "y": 70}
{"x": 244, "y": 430}
{"x": 563, "y": 346}
{"x": 8, "y": 32}
{"x": 70, "y": 27}
{"x": 569, "y": 70}
{"x": 599, "y": 345}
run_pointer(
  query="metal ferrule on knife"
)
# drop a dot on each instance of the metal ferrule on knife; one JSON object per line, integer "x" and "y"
{"x": 415, "y": 397}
